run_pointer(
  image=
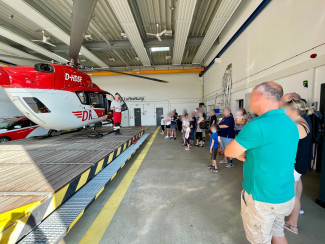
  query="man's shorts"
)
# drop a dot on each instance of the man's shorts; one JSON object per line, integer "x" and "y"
{"x": 225, "y": 141}
{"x": 167, "y": 126}
{"x": 214, "y": 154}
{"x": 263, "y": 220}
{"x": 173, "y": 126}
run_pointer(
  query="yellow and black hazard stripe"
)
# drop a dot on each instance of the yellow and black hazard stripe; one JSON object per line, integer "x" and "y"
{"x": 34, "y": 213}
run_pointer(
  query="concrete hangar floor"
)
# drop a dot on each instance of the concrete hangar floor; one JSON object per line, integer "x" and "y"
{"x": 174, "y": 198}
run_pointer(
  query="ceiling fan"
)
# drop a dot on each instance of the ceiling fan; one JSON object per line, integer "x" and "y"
{"x": 158, "y": 35}
{"x": 82, "y": 11}
{"x": 45, "y": 40}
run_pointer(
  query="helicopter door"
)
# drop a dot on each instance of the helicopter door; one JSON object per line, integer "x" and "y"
{"x": 123, "y": 104}
{"x": 108, "y": 98}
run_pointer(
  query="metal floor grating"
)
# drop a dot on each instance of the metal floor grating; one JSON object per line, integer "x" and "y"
{"x": 55, "y": 227}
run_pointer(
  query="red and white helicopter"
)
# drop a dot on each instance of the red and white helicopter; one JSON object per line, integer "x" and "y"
{"x": 57, "y": 96}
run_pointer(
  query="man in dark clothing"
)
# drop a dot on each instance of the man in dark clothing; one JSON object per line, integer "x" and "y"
{"x": 213, "y": 120}
{"x": 227, "y": 133}
{"x": 179, "y": 123}
{"x": 173, "y": 123}
{"x": 176, "y": 114}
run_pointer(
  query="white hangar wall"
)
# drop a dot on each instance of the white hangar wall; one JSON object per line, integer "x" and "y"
{"x": 184, "y": 91}
{"x": 276, "y": 46}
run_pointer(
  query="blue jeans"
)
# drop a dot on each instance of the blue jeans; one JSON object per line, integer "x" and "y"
{"x": 173, "y": 126}
{"x": 192, "y": 134}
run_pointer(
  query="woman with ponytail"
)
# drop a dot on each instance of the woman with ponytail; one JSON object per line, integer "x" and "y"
{"x": 296, "y": 110}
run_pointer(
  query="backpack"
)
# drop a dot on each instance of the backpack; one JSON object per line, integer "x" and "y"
{"x": 203, "y": 125}
{"x": 317, "y": 129}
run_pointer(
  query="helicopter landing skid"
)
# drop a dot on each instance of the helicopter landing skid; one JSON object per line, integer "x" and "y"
{"x": 98, "y": 134}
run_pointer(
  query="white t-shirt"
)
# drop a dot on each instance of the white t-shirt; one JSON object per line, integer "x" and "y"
{"x": 168, "y": 121}
{"x": 187, "y": 132}
{"x": 116, "y": 104}
{"x": 162, "y": 122}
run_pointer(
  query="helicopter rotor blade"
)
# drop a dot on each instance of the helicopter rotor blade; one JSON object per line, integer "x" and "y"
{"x": 139, "y": 76}
{"x": 82, "y": 12}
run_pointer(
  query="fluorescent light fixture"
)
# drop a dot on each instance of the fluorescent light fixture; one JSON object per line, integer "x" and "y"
{"x": 159, "y": 49}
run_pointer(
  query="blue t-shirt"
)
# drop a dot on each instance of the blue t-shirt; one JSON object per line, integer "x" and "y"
{"x": 214, "y": 137}
{"x": 230, "y": 131}
{"x": 271, "y": 141}
{"x": 193, "y": 123}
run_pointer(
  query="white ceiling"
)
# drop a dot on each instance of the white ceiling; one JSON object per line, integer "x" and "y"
{"x": 196, "y": 25}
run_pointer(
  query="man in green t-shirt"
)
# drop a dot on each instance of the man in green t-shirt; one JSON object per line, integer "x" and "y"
{"x": 268, "y": 147}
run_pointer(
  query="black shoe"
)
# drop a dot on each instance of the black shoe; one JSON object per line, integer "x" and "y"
{"x": 117, "y": 132}
{"x": 210, "y": 166}
{"x": 214, "y": 170}
{"x": 174, "y": 138}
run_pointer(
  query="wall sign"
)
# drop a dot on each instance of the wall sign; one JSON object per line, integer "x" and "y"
{"x": 134, "y": 99}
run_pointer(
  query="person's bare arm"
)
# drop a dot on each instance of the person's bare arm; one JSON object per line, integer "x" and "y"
{"x": 113, "y": 108}
{"x": 235, "y": 150}
{"x": 223, "y": 126}
{"x": 212, "y": 144}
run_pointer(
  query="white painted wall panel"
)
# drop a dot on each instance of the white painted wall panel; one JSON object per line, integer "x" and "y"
{"x": 276, "y": 46}
{"x": 184, "y": 91}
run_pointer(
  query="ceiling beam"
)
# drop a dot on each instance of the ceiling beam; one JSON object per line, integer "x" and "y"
{"x": 120, "y": 44}
{"x": 31, "y": 45}
{"x": 123, "y": 13}
{"x": 142, "y": 31}
{"x": 107, "y": 42}
{"x": 184, "y": 15}
{"x": 16, "y": 52}
{"x": 221, "y": 18}
{"x": 39, "y": 19}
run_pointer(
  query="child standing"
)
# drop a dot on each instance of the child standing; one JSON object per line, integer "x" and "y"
{"x": 168, "y": 131}
{"x": 187, "y": 135}
{"x": 183, "y": 131}
{"x": 240, "y": 120}
{"x": 162, "y": 123}
{"x": 214, "y": 148}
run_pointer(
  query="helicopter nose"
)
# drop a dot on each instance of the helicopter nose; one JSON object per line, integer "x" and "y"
{"x": 4, "y": 78}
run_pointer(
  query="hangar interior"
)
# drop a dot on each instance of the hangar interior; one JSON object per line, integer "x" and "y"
{"x": 212, "y": 53}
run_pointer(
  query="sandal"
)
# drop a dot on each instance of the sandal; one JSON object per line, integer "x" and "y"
{"x": 288, "y": 227}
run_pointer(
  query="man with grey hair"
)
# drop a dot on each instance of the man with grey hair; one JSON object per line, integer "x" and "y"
{"x": 268, "y": 147}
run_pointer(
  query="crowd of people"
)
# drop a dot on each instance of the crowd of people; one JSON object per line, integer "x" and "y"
{"x": 275, "y": 146}
{"x": 193, "y": 127}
